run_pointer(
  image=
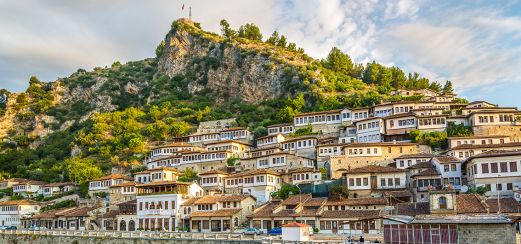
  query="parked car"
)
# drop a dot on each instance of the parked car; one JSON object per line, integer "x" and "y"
{"x": 252, "y": 231}
{"x": 7, "y": 227}
{"x": 275, "y": 231}
{"x": 37, "y": 228}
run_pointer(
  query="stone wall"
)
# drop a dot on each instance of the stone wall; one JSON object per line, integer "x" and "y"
{"x": 513, "y": 131}
{"x": 40, "y": 239}
{"x": 486, "y": 233}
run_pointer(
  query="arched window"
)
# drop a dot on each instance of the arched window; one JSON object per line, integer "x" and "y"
{"x": 131, "y": 225}
{"x": 236, "y": 222}
{"x": 122, "y": 225}
{"x": 442, "y": 202}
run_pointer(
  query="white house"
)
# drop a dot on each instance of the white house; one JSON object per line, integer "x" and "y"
{"x": 29, "y": 188}
{"x": 103, "y": 184}
{"x": 213, "y": 181}
{"x": 280, "y": 128}
{"x": 370, "y": 130}
{"x": 12, "y": 211}
{"x": 52, "y": 189}
{"x": 259, "y": 183}
{"x": 478, "y": 140}
{"x": 158, "y": 203}
{"x": 372, "y": 179}
{"x": 270, "y": 140}
{"x": 450, "y": 169}
{"x": 408, "y": 160}
{"x": 495, "y": 170}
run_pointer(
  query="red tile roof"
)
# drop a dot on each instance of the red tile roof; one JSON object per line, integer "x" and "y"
{"x": 373, "y": 169}
{"x": 217, "y": 213}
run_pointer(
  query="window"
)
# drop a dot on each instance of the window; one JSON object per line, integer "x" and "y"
{"x": 484, "y": 168}
{"x": 499, "y": 187}
{"x": 493, "y": 167}
{"x": 358, "y": 181}
{"x": 504, "y": 167}
{"x": 453, "y": 167}
{"x": 509, "y": 186}
{"x": 446, "y": 168}
{"x": 351, "y": 182}
{"x": 390, "y": 181}
{"x": 513, "y": 166}
{"x": 366, "y": 182}
{"x": 396, "y": 181}
{"x": 442, "y": 201}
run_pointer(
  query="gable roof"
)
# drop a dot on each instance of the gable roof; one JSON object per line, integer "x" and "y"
{"x": 415, "y": 155}
{"x": 114, "y": 177}
{"x": 219, "y": 198}
{"x": 373, "y": 169}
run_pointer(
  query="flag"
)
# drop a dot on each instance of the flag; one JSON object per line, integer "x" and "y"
{"x": 183, "y": 7}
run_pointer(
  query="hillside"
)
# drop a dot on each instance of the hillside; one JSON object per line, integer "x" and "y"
{"x": 111, "y": 116}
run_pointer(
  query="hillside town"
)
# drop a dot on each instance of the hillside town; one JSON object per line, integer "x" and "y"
{"x": 354, "y": 172}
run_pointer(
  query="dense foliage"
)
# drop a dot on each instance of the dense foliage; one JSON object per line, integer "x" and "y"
{"x": 121, "y": 134}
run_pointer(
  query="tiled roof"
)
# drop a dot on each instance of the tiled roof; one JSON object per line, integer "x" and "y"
{"x": 400, "y": 115}
{"x": 110, "y": 214}
{"x": 477, "y": 137}
{"x": 190, "y": 201}
{"x": 427, "y": 172}
{"x": 148, "y": 171}
{"x": 79, "y": 212}
{"x": 302, "y": 170}
{"x": 402, "y": 193}
{"x": 265, "y": 210}
{"x": 496, "y": 153}
{"x": 421, "y": 165}
{"x": 113, "y": 177}
{"x": 130, "y": 183}
{"x": 19, "y": 180}
{"x": 162, "y": 183}
{"x": 351, "y": 214}
{"x": 474, "y": 146}
{"x": 413, "y": 209}
{"x": 52, "y": 213}
{"x": 227, "y": 141}
{"x": 506, "y": 205}
{"x": 217, "y": 198}
{"x": 383, "y": 144}
{"x": 31, "y": 182}
{"x": 315, "y": 202}
{"x": 58, "y": 184}
{"x": 290, "y": 139}
{"x": 176, "y": 144}
{"x": 469, "y": 203}
{"x": 214, "y": 171}
{"x": 416, "y": 155}
{"x": 320, "y": 112}
{"x": 278, "y": 125}
{"x": 446, "y": 159}
{"x": 19, "y": 202}
{"x": 359, "y": 201}
{"x": 253, "y": 172}
{"x": 295, "y": 199}
{"x": 217, "y": 213}
{"x": 373, "y": 169}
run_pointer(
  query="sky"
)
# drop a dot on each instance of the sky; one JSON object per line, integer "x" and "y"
{"x": 476, "y": 44}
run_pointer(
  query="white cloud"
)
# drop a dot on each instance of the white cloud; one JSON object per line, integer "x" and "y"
{"x": 401, "y": 8}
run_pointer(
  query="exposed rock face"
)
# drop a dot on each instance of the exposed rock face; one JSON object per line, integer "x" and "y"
{"x": 230, "y": 70}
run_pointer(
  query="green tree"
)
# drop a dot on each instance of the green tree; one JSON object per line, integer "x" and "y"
{"x": 339, "y": 62}
{"x": 81, "y": 170}
{"x": 189, "y": 175}
{"x": 399, "y": 78}
{"x": 250, "y": 31}
{"x": 285, "y": 191}
{"x": 454, "y": 129}
{"x": 282, "y": 41}
{"x": 136, "y": 145}
{"x": 447, "y": 88}
{"x": 371, "y": 73}
{"x": 231, "y": 161}
{"x": 160, "y": 48}
{"x": 273, "y": 39}
{"x": 179, "y": 128}
{"x": 226, "y": 31}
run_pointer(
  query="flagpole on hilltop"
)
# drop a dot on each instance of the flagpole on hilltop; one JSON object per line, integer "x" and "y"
{"x": 190, "y": 13}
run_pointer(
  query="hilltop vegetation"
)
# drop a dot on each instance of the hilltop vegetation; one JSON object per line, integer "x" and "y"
{"x": 78, "y": 127}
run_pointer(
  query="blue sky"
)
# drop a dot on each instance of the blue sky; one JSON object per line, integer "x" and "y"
{"x": 476, "y": 44}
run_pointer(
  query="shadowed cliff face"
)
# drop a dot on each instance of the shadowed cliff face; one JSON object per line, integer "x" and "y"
{"x": 229, "y": 69}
